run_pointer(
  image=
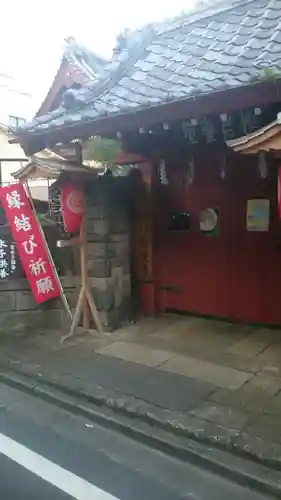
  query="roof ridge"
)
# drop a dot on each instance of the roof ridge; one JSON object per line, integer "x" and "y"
{"x": 197, "y": 14}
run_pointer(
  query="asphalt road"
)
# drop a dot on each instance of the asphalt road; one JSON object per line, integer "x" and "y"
{"x": 47, "y": 453}
{"x": 17, "y": 482}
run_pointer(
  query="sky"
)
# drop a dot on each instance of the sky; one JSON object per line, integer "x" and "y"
{"x": 33, "y": 32}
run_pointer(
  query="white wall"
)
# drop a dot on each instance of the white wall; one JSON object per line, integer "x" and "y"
{"x": 7, "y": 151}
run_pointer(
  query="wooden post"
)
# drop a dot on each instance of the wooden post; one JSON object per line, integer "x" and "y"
{"x": 84, "y": 272}
{"x": 144, "y": 241}
{"x": 85, "y": 304}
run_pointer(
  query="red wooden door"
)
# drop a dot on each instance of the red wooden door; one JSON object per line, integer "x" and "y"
{"x": 235, "y": 273}
{"x": 255, "y": 256}
{"x": 192, "y": 269}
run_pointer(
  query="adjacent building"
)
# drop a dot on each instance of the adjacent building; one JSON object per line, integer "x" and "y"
{"x": 15, "y": 110}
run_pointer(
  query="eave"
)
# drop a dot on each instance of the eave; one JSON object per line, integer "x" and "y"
{"x": 255, "y": 94}
{"x": 266, "y": 139}
{"x": 51, "y": 168}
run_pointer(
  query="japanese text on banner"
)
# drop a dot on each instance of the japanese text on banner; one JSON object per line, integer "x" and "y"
{"x": 29, "y": 243}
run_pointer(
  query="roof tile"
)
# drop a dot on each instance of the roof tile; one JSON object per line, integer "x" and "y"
{"x": 143, "y": 65}
{"x": 256, "y": 43}
{"x": 274, "y": 47}
{"x": 273, "y": 12}
{"x": 89, "y": 113}
{"x": 249, "y": 22}
{"x": 269, "y": 58}
{"x": 139, "y": 76}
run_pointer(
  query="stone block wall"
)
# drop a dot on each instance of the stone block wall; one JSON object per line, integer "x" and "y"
{"x": 20, "y": 314}
{"x": 108, "y": 234}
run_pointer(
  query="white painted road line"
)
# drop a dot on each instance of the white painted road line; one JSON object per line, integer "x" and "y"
{"x": 52, "y": 473}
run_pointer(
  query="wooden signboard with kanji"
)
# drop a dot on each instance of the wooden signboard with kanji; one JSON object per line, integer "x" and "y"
{"x": 144, "y": 228}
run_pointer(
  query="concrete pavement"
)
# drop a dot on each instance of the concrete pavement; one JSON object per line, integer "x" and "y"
{"x": 215, "y": 381}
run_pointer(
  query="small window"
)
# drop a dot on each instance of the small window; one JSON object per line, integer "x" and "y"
{"x": 16, "y": 121}
{"x": 179, "y": 221}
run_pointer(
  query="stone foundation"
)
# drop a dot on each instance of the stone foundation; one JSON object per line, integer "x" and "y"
{"x": 19, "y": 313}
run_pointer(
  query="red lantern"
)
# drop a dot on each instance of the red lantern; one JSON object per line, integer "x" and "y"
{"x": 72, "y": 206}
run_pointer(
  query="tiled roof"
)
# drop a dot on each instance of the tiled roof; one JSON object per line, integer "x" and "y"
{"x": 225, "y": 46}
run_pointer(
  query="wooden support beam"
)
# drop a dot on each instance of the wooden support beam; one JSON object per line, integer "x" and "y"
{"x": 85, "y": 305}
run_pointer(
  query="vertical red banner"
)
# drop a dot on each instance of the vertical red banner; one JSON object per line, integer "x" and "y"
{"x": 30, "y": 246}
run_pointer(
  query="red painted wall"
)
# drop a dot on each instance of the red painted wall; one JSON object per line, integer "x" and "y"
{"x": 234, "y": 274}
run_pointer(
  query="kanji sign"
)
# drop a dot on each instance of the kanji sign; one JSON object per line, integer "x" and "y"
{"x": 30, "y": 246}
{"x": 213, "y": 128}
{"x": 208, "y": 129}
{"x": 72, "y": 207}
{"x": 8, "y": 261}
{"x": 227, "y": 127}
{"x": 189, "y": 131}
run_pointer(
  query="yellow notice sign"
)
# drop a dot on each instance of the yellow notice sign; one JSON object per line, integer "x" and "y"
{"x": 258, "y": 212}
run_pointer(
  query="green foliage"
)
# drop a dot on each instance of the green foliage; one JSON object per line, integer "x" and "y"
{"x": 267, "y": 74}
{"x": 100, "y": 150}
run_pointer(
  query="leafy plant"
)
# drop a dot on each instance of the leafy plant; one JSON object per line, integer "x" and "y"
{"x": 267, "y": 74}
{"x": 100, "y": 150}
